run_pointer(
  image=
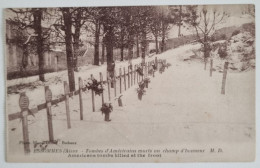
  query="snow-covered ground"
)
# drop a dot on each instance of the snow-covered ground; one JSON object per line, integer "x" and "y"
{"x": 182, "y": 108}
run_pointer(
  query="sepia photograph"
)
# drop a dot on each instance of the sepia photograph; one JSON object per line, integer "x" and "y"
{"x": 130, "y": 84}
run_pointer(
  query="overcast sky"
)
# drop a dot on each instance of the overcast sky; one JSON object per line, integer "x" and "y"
{"x": 236, "y": 18}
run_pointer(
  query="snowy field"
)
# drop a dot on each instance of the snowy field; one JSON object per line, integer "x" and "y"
{"x": 182, "y": 107}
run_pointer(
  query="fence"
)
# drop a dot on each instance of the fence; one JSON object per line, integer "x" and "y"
{"x": 132, "y": 77}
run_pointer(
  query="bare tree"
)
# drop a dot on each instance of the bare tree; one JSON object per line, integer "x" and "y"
{"x": 79, "y": 19}
{"x": 122, "y": 30}
{"x": 109, "y": 21}
{"x": 144, "y": 21}
{"x": 181, "y": 15}
{"x": 167, "y": 22}
{"x": 204, "y": 22}
{"x": 31, "y": 19}
{"x": 161, "y": 23}
{"x": 67, "y": 19}
{"x": 128, "y": 26}
{"x": 95, "y": 27}
{"x": 156, "y": 26}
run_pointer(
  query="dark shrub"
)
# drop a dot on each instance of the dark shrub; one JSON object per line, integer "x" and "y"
{"x": 213, "y": 38}
{"x": 236, "y": 32}
{"x": 222, "y": 51}
{"x": 152, "y": 51}
{"x": 250, "y": 27}
{"x": 223, "y": 37}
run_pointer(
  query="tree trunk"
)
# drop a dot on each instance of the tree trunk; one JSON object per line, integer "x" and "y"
{"x": 76, "y": 47}
{"x": 122, "y": 53}
{"x": 130, "y": 39}
{"x": 109, "y": 49}
{"x": 163, "y": 36}
{"x": 109, "y": 44}
{"x": 76, "y": 56}
{"x": 205, "y": 63}
{"x": 96, "y": 46}
{"x": 122, "y": 44}
{"x": 76, "y": 38}
{"x": 37, "y": 14}
{"x": 69, "y": 49}
{"x": 130, "y": 49}
{"x": 137, "y": 46}
{"x": 25, "y": 57}
{"x": 103, "y": 52}
{"x": 206, "y": 53}
{"x": 179, "y": 30}
{"x": 156, "y": 44}
{"x": 163, "y": 44}
{"x": 143, "y": 46}
{"x": 180, "y": 20}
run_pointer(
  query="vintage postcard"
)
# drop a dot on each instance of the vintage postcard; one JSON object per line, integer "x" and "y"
{"x": 173, "y": 83}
